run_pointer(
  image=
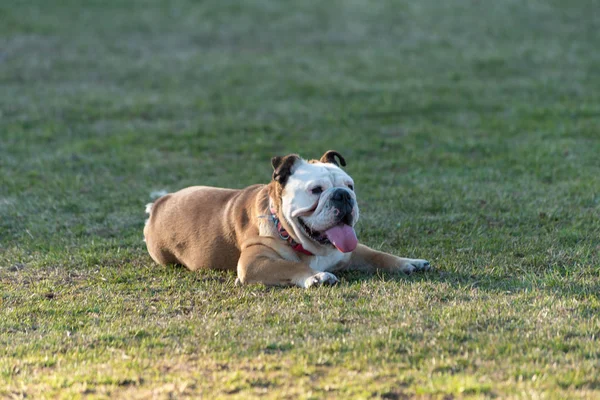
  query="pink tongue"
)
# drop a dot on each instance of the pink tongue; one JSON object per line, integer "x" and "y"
{"x": 343, "y": 237}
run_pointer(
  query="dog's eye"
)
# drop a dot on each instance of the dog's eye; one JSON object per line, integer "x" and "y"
{"x": 316, "y": 190}
{"x": 351, "y": 187}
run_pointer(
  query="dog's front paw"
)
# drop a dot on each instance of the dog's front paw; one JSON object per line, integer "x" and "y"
{"x": 410, "y": 265}
{"x": 322, "y": 278}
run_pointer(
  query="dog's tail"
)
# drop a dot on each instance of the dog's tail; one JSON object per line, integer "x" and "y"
{"x": 148, "y": 209}
{"x": 154, "y": 195}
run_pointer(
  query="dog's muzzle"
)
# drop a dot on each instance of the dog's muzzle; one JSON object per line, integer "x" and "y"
{"x": 342, "y": 204}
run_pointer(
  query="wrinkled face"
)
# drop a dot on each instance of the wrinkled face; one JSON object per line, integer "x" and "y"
{"x": 319, "y": 202}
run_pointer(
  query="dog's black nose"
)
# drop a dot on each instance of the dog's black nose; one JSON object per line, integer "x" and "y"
{"x": 341, "y": 196}
{"x": 343, "y": 203}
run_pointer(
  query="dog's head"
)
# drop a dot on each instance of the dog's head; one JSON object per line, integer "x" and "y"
{"x": 315, "y": 201}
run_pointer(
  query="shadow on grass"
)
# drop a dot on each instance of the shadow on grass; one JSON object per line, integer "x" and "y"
{"x": 554, "y": 283}
{"x": 557, "y": 285}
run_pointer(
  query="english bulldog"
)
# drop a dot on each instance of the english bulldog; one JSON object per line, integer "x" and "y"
{"x": 296, "y": 230}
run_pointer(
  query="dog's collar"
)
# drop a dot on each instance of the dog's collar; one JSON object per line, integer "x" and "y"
{"x": 286, "y": 236}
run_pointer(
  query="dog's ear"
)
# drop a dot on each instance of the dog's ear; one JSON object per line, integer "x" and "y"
{"x": 329, "y": 157}
{"x": 282, "y": 167}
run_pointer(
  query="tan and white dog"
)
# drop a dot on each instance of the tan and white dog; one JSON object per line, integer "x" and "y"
{"x": 294, "y": 231}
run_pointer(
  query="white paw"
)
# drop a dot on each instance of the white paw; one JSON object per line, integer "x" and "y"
{"x": 411, "y": 265}
{"x": 322, "y": 278}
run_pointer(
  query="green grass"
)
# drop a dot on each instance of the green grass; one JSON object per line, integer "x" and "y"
{"x": 471, "y": 128}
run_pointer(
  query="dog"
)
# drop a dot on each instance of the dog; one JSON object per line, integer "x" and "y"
{"x": 296, "y": 230}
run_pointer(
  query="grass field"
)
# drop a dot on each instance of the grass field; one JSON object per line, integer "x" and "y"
{"x": 471, "y": 129}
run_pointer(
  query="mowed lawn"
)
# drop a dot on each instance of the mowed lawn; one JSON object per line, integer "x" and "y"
{"x": 471, "y": 128}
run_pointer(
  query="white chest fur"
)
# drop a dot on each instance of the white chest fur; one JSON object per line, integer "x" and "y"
{"x": 330, "y": 262}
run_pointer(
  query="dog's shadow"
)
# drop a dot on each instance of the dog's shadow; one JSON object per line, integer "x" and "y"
{"x": 491, "y": 284}
{"x": 457, "y": 280}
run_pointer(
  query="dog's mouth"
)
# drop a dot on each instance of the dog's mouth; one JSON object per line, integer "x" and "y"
{"x": 341, "y": 236}
{"x": 317, "y": 236}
